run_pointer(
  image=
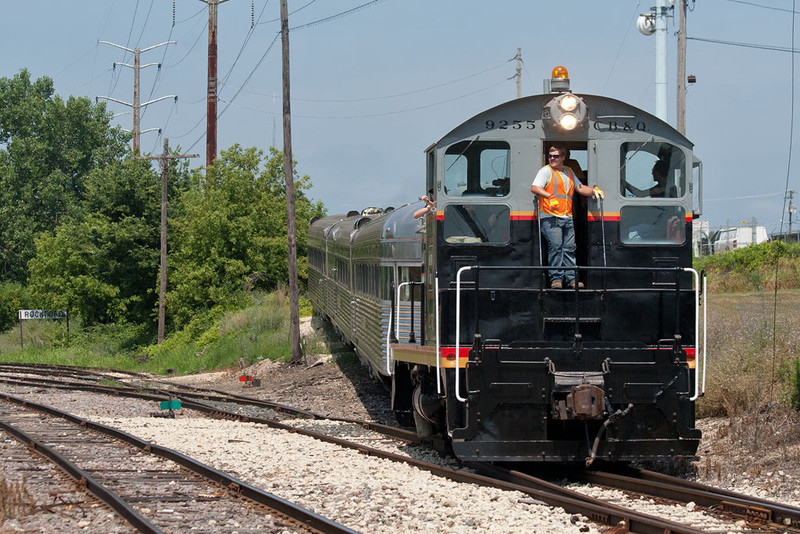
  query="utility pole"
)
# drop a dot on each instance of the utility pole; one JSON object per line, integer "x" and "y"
{"x": 211, "y": 99}
{"x": 661, "y": 59}
{"x": 791, "y": 210}
{"x": 519, "y": 72}
{"x": 162, "y": 290}
{"x": 137, "y": 66}
{"x": 294, "y": 297}
{"x": 681, "y": 107}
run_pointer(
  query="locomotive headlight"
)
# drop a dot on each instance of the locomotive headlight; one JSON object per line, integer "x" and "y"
{"x": 566, "y": 112}
{"x": 568, "y": 121}
{"x": 568, "y": 102}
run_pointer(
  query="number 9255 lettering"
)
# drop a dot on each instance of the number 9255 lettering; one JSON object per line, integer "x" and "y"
{"x": 514, "y": 125}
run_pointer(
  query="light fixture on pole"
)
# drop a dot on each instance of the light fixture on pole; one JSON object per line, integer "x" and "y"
{"x": 651, "y": 23}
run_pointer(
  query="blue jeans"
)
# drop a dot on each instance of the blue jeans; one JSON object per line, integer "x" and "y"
{"x": 560, "y": 235}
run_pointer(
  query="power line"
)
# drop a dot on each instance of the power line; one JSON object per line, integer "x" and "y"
{"x": 144, "y": 25}
{"x": 201, "y": 10}
{"x": 624, "y": 38}
{"x": 197, "y": 40}
{"x": 277, "y": 36}
{"x": 244, "y": 45}
{"x": 791, "y": 49}
{"x": 762, "y": 6}
{"x": 336, "y": 16}
{"x": 743, "y": 198}
{"x": 397, "y": 95}
{"x": 397, "y": 112}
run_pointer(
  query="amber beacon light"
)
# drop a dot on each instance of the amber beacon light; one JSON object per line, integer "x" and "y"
{"x": 565, "y": 112}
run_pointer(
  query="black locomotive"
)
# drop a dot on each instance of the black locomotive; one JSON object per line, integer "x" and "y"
{"x": 454, "y": 311}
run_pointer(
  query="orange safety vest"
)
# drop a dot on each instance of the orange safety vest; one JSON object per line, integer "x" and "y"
{"x": 563, "y": 198}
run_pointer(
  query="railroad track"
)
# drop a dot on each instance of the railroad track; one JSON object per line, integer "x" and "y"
{"x": 755, "y": 510}
{"x": 599, "y": 511}
{"x": 154, "y": 488}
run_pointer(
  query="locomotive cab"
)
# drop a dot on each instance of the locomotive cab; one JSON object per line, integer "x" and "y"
{"x": 539, "y": 370}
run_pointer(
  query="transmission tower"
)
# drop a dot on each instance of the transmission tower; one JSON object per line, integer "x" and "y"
{"x": 136, "y": 105}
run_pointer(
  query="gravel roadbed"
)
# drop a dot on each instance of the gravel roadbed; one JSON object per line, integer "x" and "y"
{"x": 364, "y": 493}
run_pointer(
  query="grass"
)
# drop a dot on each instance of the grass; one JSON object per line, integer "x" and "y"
{"x": 748, "y": 366}
{"x": 246, "y": 336}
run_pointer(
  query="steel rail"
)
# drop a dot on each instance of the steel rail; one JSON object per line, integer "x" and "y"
{"x": 553, "y": 495}
{"x": 596, "y": 509}
{"x": 753, "y": 509}
{"x": 104, "y": 494}
{"x": 158, "y": 394}
{"x": 308, "y": 518}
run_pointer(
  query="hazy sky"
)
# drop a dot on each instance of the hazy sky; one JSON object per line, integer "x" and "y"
{"x": 375, "y": 83}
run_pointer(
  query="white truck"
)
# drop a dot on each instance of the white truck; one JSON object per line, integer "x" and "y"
{"x": 737, "y": 237}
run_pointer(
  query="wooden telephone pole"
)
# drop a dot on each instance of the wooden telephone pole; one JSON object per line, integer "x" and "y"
{"x": 163, "y": 159}
{"x": 294, "y": 297}
{"x": 681, "y": 110}
{"x": 211, "y": 99}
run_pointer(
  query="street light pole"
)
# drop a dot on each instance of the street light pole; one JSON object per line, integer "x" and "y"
{"x": 661, "y": 59}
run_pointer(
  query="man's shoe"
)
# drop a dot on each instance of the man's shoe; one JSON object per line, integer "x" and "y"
{"x": 572, "y": 285}
{"x": 556, "y": 284}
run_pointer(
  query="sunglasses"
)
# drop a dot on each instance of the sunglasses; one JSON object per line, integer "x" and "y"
{"x": 554, "y": 156}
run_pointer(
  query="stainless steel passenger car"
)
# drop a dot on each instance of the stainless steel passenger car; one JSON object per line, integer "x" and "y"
{"x": 454, "y": 312}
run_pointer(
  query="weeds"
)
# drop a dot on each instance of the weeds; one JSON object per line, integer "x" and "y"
{"x": 752, "y": 352}
{"x": 15, "y": 499}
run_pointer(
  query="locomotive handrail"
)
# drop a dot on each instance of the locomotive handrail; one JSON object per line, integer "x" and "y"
{"x": 697, "y": 279}
{"x": 476, "y": 287}
{"x": 393, "y": 326}
{"x": 412, "y": 338}
{"x": 603, "y": 232}
{"x": 438, "y": 358}
{"x": 389, "y": 357}
{"x": 705, "y": 326}
{"x": 458, "y": 329}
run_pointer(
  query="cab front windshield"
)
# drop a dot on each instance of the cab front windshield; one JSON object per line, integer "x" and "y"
{"x": 477, "y": 168}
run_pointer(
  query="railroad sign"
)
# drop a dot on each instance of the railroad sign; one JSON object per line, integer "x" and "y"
{"x": 170, "y": 405}
{"x": 250, "y": 380}
{"x": 42, "y": 314}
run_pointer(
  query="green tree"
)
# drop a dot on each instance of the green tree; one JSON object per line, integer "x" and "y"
{"x": 105, "y": 266}
{"x": 230, "y": 235}
{"x": 48, "y": 146}
{"x": 13, "y": 298}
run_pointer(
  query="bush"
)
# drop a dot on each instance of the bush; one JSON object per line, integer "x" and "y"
{"x": 752, "y": 268}
{"x": 13, "y": 297}
{"x": 790, "y": 374}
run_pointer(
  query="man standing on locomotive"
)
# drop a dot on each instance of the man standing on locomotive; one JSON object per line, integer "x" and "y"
{"x": 555, "y": 184}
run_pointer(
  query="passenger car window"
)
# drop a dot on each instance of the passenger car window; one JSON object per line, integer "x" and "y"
{"x": 652, "y": 224}
{"x": 477, "y": 168}
{"x": 477, "y": 223}
{"x": 652, "y": 170}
